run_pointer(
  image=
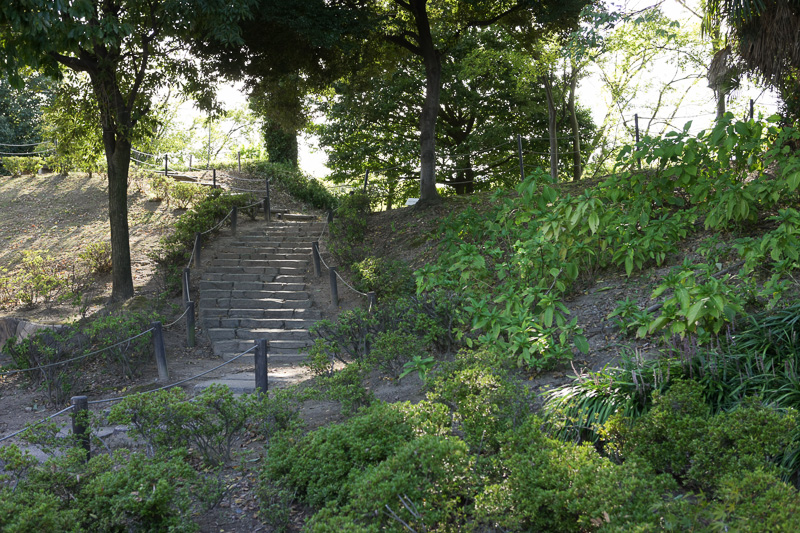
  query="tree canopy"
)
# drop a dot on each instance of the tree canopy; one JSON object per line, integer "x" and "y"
{"x": 129, "y": 49}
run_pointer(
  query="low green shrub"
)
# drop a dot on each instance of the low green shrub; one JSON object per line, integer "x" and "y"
{"x": 486, "y": 402}
{"x": 159, "y": 188}
{"x": 120, "y": 492}
{"x": 679, "y": 436}
{"x": 211, "y": 423}
{"x": 349, "y": 227}
{"x": 176, "y": 248}
{"x": 346, "y": 387}
{"x": 320, "y": 464}
{"x": 388, "y": 278}
{"x": 110, "y": 330}
{"x": 43, "y": 350}
{"x": 97, "y": 257}
{"x": 22, "y": 165}
{"x": 391, "y": 350}
{"x": 186, "y": 194}
{"x": 140, "y": 494}
{"x": 426, "y": 483}
{"x": 550, "y": 485}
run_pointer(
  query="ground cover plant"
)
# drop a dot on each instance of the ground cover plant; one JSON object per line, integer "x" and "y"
{"x": 702, "y": 437}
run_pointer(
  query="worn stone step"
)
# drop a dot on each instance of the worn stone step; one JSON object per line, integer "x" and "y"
{"x": 272, "y": 334}
{"x": 262, "y": 256}
{"x": 255, "y": 303}
{"x": 237, "y": 277}
{"x": 257, "y": 323}
{"x": 271, "y": 314}
{"x": 257, "y": 263}
{"x": 230, "y": 348}
{"x": 219, "y": 294}
{"x": 206, "y": 285}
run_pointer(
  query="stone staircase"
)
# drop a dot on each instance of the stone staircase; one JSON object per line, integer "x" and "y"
{"x": 252, "y": 288}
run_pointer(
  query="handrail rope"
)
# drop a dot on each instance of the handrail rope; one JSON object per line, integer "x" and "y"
{"x": 165, "y": 387}
{"x": 337, "y": 273}
{"x": 206, "y": 232}
{"x": 24, "y": 154}
{"x": 177, "y": 319}
{"x": 248, "y": 179}
{"x": 350, "y": 286}
{"x": 230, "y": 188}
{"x": 84, "y": 356}
{"x": 143, "y": 153}
{"x": 42, "y": 421}
{"x": 25, "y": 145}
{"x": 251, "y": 205}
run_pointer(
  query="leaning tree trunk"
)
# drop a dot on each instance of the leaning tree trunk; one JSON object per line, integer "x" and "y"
{"x": 576, "y": 134}
{"x": 428, "y": 195}
{"x": 720, "y": 104}
{"x": 551, "y": 127}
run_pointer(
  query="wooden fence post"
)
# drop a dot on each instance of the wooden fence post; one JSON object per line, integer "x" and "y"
{"x": 161, "y": 353}
{"x": 267, "y": 203}
{"x": 262, "y": 366}
{"x": 185, "y": 286}
{"x": 234, "y": 218}
{"x": 190, "y": 334}
{"x": 214, "y": 179}
{"x": 334, "y": 288}
{"x": 80, "y": 422}
{"x": 366, "y": 179}
{"x": 240, "y": 160}
{"x": 166, "y": 165}
{"x": 198, "y": 244}
{"x": 373, "y": 301}
{"x": 315, "y": 255}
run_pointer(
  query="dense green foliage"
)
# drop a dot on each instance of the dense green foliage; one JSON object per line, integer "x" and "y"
{"x": 205, "y": 215}
{"x": 59, "y": 347}
{"x": 294, "y": 181}
{"x": 516, "y": 261}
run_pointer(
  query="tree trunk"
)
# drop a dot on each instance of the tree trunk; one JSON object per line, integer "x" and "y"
{"x": 428, "y": 195}
{"x": 576, "y": 135}
{"x": 116, "y": 122}
{"x": 720, "y": 104}
{"x": 281, "y": 145}
{"x": 551, "y": 127}
{"x": 465, "y": 178}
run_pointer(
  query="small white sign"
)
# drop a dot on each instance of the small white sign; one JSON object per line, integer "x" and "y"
{"x": 412, "y": 201}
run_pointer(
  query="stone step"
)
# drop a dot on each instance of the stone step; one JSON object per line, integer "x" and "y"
{"x": 230, "y": 348}
{"x": 243, "y": 250}
{"x": 267, "y": 241}
{"x": 262, "y": 256}
{"x": 279, "y": 376}
{"x": 206, "y": 285}
{"x": 257, "y": 263}
{"x": 267, "y": 314}
{"x": 263, "y": 278}
{"x": 219, "y": 294}
{"x": 261, "y": 270}
{"x": 258, "y": 323}
{"x": 254, "y": 303}
{"x": 273, "y": 334}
